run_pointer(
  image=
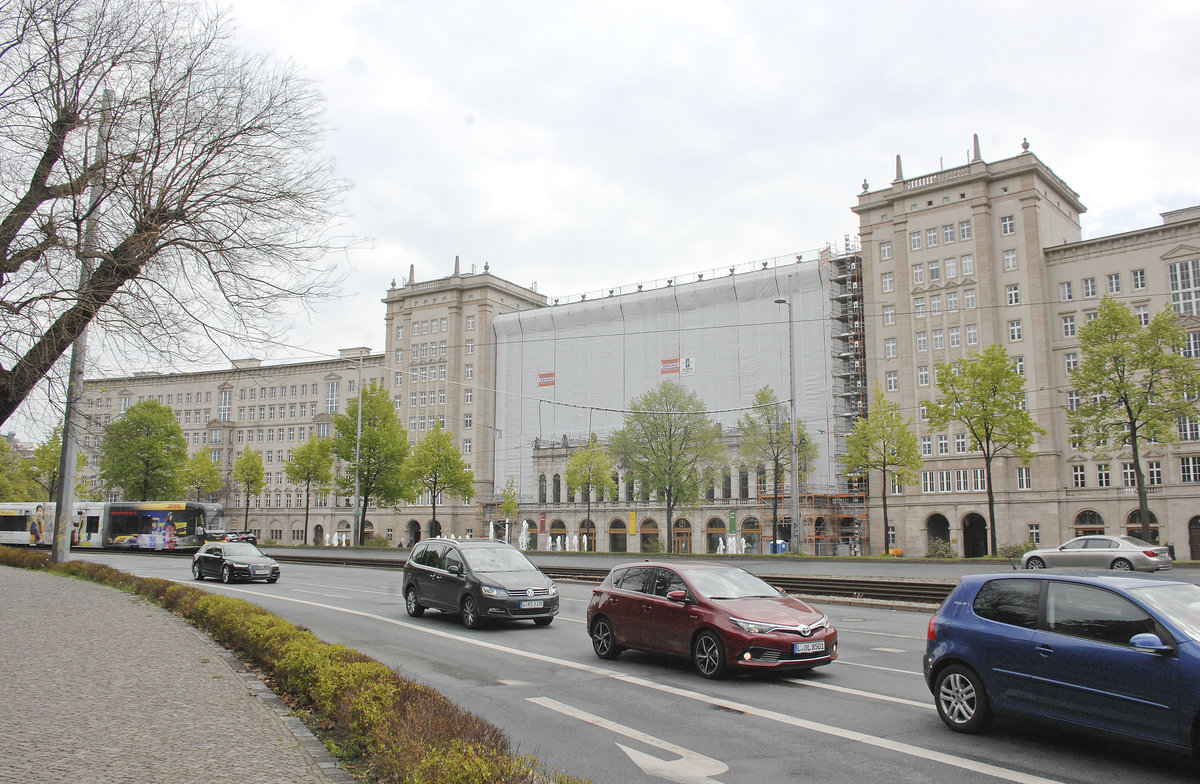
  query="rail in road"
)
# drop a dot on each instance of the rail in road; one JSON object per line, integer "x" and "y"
{"x": 927, "y": 592}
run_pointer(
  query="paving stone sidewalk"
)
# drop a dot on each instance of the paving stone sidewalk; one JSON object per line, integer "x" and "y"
{"x": 102, "y": 687}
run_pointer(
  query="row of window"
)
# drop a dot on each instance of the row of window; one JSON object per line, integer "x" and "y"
{"x": 1066, "y": 290}
{"x": 438, "y": 398}
{"x": 930, "y": 237}
{"x": 938, "y": 269}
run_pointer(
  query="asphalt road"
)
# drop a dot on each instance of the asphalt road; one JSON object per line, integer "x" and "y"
{"x": 646, "y": 719}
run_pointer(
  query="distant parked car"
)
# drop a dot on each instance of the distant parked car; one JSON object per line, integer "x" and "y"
{"x": 478, "y": 579}
{"x": 241, "y": 536}
{"x": 1116, "y": 654}
{"x": 233, "y": 561}
{"x": 719, "y": 616}
{"x": 1124, "y": 553}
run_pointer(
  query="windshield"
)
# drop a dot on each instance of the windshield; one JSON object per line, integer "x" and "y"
{"x": 728, "y": 584}
{"x": 1179, "y": 603}
{"x": 496, "y": 559}
{"x": 242, "y": 549}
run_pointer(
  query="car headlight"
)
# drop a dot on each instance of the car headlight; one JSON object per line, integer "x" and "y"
{"x": 754, "y": 627}
{"x": 240, "y": 565}
{"x": 488, "y": 590}
{"x": 553, "y": 589}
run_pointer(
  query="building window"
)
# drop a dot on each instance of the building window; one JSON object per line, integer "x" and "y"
{"x": 922, "y": 342}
{"x": 939, "y": 341}
{"x": 1189, "y": 429}
{"x": 960, "y": 443}
{"x": 1010, "y": 260}
{"x": 1089, "y": 287}
{"x": 1066, "y": 292}
{"x": 964, "y": 230}
{"x": 960, "y": 480}
{"x": 887, "y": 282}
{"x": 889, "y": 348}
{"x": 927, "y": 483}
{"x": 919, "y": 307}
{"x": 1071, "y": 360}
{"x": 952, "y": 301}
{"x": 918, "y": 274}
{"x": 469, "y": 371}
{"x": 1014, "y": 330}
{"x": 466, "y": 448}
{"x": 927, "y": 446}
{"x": 923, "y": 411}
{"x": 1012, "y": 293}
{"x": 948, "y": 234}
{"x": 1139, "y": 279}
{"x": 885, "y": 251}
{"x": 1018, "y": 364}
{"x": 935, "y": 304}
{"x": 968, "y": 264}
{"x": 889, "y": 315}
{"x": 978, "y": 480}
{"x": 943, "y": 480}
{"x": 935, "y": 270}
{"x": 469, "y": 395}
{"x": 1008, "y": 225}
{"x": 1103, "y": 475}
{"x": 943, "y": 442}
{"x": 470, "y": 345}
{"x": 914, "y": 239}
{"x": 951, "y": 265}
{"x": 1154, "y": 476}
{"x": 1114, "y": 283}
{"x": 893, "y": 380}
{"x": 470, "y": 323}
{"x": 1073, "y": 400}
{"x": 467, "y": 421}
{"x": 969, "y": 299}
{"x": 1035, "y": 529}
{"x": 923, "y": 375}
{"x": 972, "y": 334}
{"x": 331, "y": 397}
{"x": 931, "y": 238}
{"x": 1068, "y": 326}
{"x": 955, "y": 337}
{"x": 1189, "y": 469}
{"x": 1143, "y": 314}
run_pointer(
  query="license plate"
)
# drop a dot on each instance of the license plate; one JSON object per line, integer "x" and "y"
{"x": 262, "y": 570}
{"x": 531, "y": 605}
{"x": 808, "y": 647}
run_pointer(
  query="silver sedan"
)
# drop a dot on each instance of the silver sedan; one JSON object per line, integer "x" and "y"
{"x": 1124, "y": 553}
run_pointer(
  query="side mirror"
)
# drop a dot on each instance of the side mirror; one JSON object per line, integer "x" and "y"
{"x": 678, "y": 596}
{"x": 1149, "y": 643}
{"x": 454, "y": 569}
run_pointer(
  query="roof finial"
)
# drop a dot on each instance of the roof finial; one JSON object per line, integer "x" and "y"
{"x": 412, "y": 273}
{"x": 978, "y": 156}
{"x": 456, "y": 265}
{"x": 1025, "y": 144}
{"x": 899, "y": 170}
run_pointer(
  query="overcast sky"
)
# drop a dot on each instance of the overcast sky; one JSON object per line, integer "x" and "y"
{"x": 581, "y": 146}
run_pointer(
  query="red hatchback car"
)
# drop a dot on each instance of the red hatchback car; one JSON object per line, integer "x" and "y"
{"x": 719, "y": 616}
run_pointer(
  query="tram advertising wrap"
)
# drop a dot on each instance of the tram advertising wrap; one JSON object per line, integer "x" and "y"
{"x": 129, "y": 525}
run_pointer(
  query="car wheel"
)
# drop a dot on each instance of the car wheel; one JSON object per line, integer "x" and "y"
{"x": 1035, "y": 563}
{"x": 708, "y": 654}
{"x": 411, "y": 604}
{"x": 470, "y": 612}
{"x": 226, "y": 574}
{"x": 1121, "y": 565}
{"x": 197, "y": 574}
{"x": 961, "y": 700}
{"x": 543, "y": 621}
{"x": 604, "y": 639}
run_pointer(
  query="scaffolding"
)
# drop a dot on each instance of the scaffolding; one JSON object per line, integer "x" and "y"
{"x": 844, "y": 510}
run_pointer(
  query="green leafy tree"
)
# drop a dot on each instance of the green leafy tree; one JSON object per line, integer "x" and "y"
{"x": 766, "y": 439}
{"x": 144, "y": 452}
{"x": 1135, "y": 384}
{"x": 986, "y": 395}
{"x": 437, "y": 467}
{"x": 590, "y": 469}
{"x": 883, "y": 441}
{"x": 40, "y": 473}
{"x": 377, "y": 459}
{"x": 248, "y": 474}
{"x": 669, "y": 445}
{"x": 13, "y": 483}
{"x": 312, "y": 466}
{"x": 510, "y": 503}
{"x": 202, "y": 474}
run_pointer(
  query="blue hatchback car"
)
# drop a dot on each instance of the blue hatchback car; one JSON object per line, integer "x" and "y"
{"x": 1099, "y": 652}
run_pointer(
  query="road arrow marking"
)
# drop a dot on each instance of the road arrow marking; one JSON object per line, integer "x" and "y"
{"x": 690, "y": 767}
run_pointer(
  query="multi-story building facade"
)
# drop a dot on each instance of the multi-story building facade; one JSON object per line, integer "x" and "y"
{"x": 991, "y": 253}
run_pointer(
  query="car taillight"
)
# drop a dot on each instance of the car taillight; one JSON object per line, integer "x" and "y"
{"x": 1152, "y": 554}
{"x": 931, "y": 634}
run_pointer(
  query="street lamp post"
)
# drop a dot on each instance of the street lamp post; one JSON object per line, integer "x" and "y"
{"x": 357, "y": 532}
{"x": 795, "y": 546}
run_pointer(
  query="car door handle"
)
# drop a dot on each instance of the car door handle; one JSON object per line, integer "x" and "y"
{"x": 1044, "y": 650}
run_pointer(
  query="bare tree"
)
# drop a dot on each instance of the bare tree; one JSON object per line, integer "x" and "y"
{"x": 206, "y": 212}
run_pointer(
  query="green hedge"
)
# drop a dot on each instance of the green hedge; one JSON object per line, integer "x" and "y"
{"x": 391, "y": 728}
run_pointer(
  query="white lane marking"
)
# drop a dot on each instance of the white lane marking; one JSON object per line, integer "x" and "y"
{"x": 858, "y": 693}
{"x": 890, "y": 650}
{"x": 877, "y": 667}
{"x": 691, "y": 767}
{"x": 321, "y": 593}
{"x": 907, "y": 749}
{"x": 843, "y": 629}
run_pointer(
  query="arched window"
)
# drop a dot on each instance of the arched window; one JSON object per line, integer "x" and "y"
{"x": 542, "y": 489}
{"x": 557, "y": 489}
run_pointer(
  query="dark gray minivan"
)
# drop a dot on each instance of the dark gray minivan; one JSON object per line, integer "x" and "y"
{"x": 479, "y": 579}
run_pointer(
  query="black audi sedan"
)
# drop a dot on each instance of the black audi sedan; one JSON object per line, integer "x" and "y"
{"x": 230, "y": 561}
{"x": 478, "y": 579}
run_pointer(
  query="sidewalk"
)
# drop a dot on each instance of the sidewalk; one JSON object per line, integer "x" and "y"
{"x": 103, "y": 687}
